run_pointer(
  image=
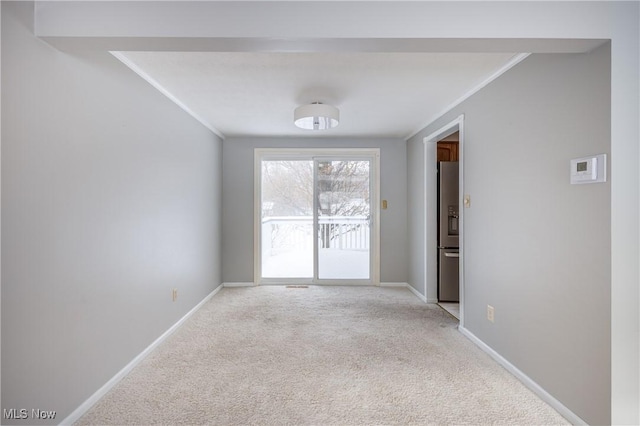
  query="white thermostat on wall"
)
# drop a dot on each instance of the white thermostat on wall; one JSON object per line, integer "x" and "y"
{"x": 589, "y": 169}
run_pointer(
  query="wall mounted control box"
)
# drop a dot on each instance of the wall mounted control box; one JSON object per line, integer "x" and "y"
{"x": 589, "y": 169}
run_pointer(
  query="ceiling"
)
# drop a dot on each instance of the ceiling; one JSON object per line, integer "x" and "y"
{"x": 379, "y": 94}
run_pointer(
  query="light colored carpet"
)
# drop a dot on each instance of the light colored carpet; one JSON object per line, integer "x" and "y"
{"x": 273, "y": 355}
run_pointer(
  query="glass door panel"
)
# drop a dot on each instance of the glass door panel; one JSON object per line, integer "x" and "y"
{"x": 343, "y": 219}
{"x": 287, "y": 235}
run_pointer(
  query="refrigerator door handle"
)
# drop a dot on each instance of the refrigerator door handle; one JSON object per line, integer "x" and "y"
{"x": 452, "y": 255}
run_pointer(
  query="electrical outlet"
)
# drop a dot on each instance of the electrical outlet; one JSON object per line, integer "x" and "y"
{"x": 174, "y": 294}
{"x": 490, "y": 313}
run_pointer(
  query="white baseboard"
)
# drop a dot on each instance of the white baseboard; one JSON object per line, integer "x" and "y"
{"x": 526, "y": 380}
{"x": 417, "y": 293}
{"x": 238, "y": 284}
{"x": 394, "y": 285}
{"x": 90, "y": 402}
{"x": 413, "y": 290}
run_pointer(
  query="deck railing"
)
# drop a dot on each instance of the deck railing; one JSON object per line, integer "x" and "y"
{"x": 286, "y": 233}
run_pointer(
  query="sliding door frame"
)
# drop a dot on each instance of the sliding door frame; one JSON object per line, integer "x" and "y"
{"x": 313, "y": 154}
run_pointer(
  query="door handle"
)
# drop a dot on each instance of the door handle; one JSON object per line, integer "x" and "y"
{"x": 452, "y": 255}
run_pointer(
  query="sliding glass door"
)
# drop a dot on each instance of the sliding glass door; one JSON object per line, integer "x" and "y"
{"x": 315, "y": 221}
{"x": 287, "y": 219}
{"x": 343, "y": 213}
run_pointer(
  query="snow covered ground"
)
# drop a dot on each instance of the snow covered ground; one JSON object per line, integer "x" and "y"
{"x": 332, "y": 264}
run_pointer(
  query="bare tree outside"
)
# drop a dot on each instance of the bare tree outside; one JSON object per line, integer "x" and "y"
{"x": 287, "y": 188}
{"x": 343, "y": 191}
{"x": 343, "y": 188}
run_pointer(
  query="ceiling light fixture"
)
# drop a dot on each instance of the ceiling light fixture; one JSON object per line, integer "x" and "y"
{"x": 316, "y": 116}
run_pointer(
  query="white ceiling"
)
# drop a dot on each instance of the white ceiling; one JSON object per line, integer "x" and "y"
{"x": 378, "y": 94}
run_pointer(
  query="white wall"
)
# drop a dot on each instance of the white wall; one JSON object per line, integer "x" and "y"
{"x": 110, "y": 198}
{"x": 237, "y": 206}
{"x": 537, "y": 248}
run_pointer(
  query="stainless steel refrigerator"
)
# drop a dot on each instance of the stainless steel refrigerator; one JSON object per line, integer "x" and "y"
{"x": 448, "y": 246}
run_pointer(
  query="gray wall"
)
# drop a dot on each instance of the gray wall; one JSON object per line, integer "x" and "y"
{"x": 110, "y": 198}
{"x": 537, "y": 248}
{"x": 416, "y": 218}
{"x": 237, "y": 206}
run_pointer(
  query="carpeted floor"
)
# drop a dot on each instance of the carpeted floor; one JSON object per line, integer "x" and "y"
{"x": 273, "y": 355}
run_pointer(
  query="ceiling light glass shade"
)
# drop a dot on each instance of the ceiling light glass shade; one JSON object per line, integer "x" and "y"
{"x": 316, "y": 116}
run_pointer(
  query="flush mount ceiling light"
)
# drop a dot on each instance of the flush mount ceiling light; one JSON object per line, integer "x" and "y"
{"x": 316, "y": 116}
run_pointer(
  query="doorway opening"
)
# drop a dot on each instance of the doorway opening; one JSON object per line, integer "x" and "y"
{"x": 316, "y": 216}
{"x": 444, "y": 248}
{"x": 447, "y": 153}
